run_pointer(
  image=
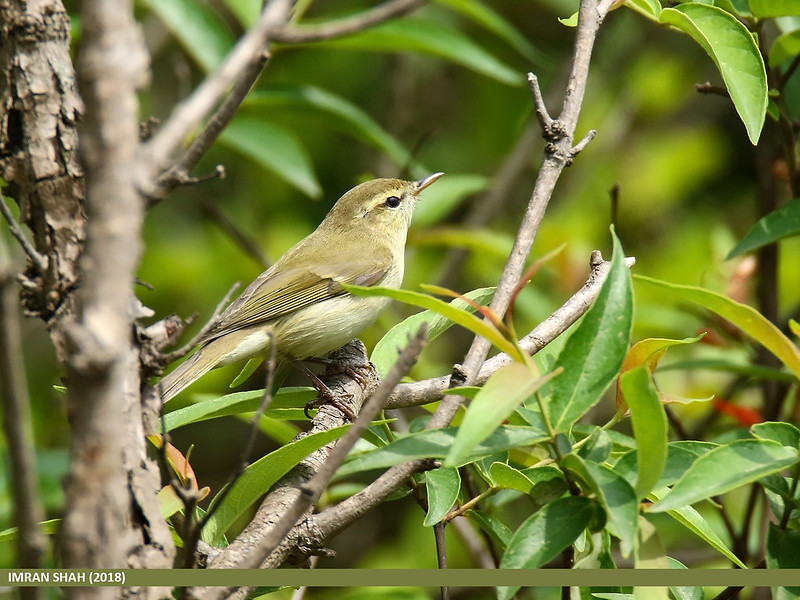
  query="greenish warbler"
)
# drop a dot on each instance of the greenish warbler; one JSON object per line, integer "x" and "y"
{"x": 299, "y": 301}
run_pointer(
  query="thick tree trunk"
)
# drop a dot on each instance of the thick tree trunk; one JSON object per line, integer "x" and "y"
{"x": 89, "y": 235}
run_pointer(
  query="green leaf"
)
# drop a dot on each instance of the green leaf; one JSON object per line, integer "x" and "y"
{"x": 732, "y": 48}
{"x": 436, "y": 443}
{"x": 49, "y": 527}
{"x": 767, "y": 9}
{"x": 780, "y": 223}
{"x": 502, "y": 393}
{"x": 260, "y": 476}
{"x": 246, "y": 11}
{"x": 680, "y": 456}
{"x": 650, "y": 427}
{"x": 784, "y": 48}
{"x": 443, "y": 485}
{"x": 649, "y": 8}
{"x": 506, "y": 476}
{"x": 785, "y": 434}
{"x": 782, "y": 553}
{"x": 342, "y": 114}
{"x": 649, "y": 554}
{"x": 388, "y": 348}
{"x": 276, "y": 149}
{"x": 196, "y": 27}
{"x": 285, "y": 400}
{"x": 248, "y": 369}
{"x": 683, "y": 592}
{"x": 497, "y": 530}
{"x": 726, "y": 468}
{"x": 544, "y": 535}
{"x": 694, "y": 522}
{"x": 593, "y": 353}
{"x": 427, "y": 37}
{"x": 460, "y": 317}
{"x": 744, "y": 317}
{"x": 445, "y": 196}
{"x": 616, "y": 497}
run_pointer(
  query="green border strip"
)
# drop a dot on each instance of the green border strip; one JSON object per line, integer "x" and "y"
{"x": 401, "y": 577}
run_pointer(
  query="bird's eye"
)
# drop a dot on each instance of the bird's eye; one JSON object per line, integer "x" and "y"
{"x": 393, "y": 202}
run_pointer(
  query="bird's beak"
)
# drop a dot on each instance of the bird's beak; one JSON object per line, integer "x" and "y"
{"x": 423, "y": 183}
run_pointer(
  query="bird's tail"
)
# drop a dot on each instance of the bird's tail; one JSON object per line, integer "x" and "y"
{"x": 187, "y": 373}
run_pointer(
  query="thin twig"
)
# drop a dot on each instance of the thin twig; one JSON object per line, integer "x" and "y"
{"x": 178, "y": 174}
{"x": 18, "y": 428}
{"x": 186, "y": 348}
{"x": 559, "y": 154}
{"x": 246, "y": 243}
{"x": 16, "y": 230}
{"x": 545, "y": 120}
{"x": 293, "y": 34}
{"x": 441, "y": 554}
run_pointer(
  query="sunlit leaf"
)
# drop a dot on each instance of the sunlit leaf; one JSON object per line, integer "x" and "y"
{"x": 767, "y": 9}
{"x": 388, "y": 348}
{"x": 650, "y": 427}
{"x": 784, "y": 47}
{"x": 502, "y": 393}
{"x": 649, "y": 554}
{"x": 593, "y": 353}
{"x": 732, "y": 48}
{"x": 276, "y": 149}
{"x": 744, "y": 317}
{"x": 780, "y": 223}
{"x": 443, "y": 485}
{"x": 260, "y": 476}
{"x": 726, "y": 468}
{"x": 785, "y": 434}
{"x": 461, "y": 317}
{"x": 506, "y": 476}
{"x": 436, "y": 443}
{"x": 544, "y": 535}
{"x": 196, "y": 27}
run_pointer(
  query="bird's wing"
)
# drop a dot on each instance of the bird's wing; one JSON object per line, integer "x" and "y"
{"x": 279, "y": 292}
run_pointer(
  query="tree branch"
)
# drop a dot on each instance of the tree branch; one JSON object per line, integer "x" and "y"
{"x": 559, "y": 153}
{"x": 242, "y": 64}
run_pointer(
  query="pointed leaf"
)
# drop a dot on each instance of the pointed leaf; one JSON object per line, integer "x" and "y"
{"x": 443, "y": 485}
{"x": 260, "y": 476}
{"x": 289, "y": 400}
{"x": 388, "y": 348}
{"x": 650, "y": 427}
{"x": 504, "y": 391}
{"x": 732, "y": 48}
{"x": 780, "y": 223}
{"x": 726, "y": 468}
{"x": 593, "y": 353}
{"x": 616, "y": 497}
{"x": 436, "y": 443}
{"x": 544, "y": 535}
{"x": 276, "y": 149}
{"x": 744, "y": 317}
{"x": 506, "y": 476}
{"x": 460, "y": 317}
{"x": 650, "y": 554}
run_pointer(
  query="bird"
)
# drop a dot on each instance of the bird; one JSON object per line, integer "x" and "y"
{"x": 299, "y": 303}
